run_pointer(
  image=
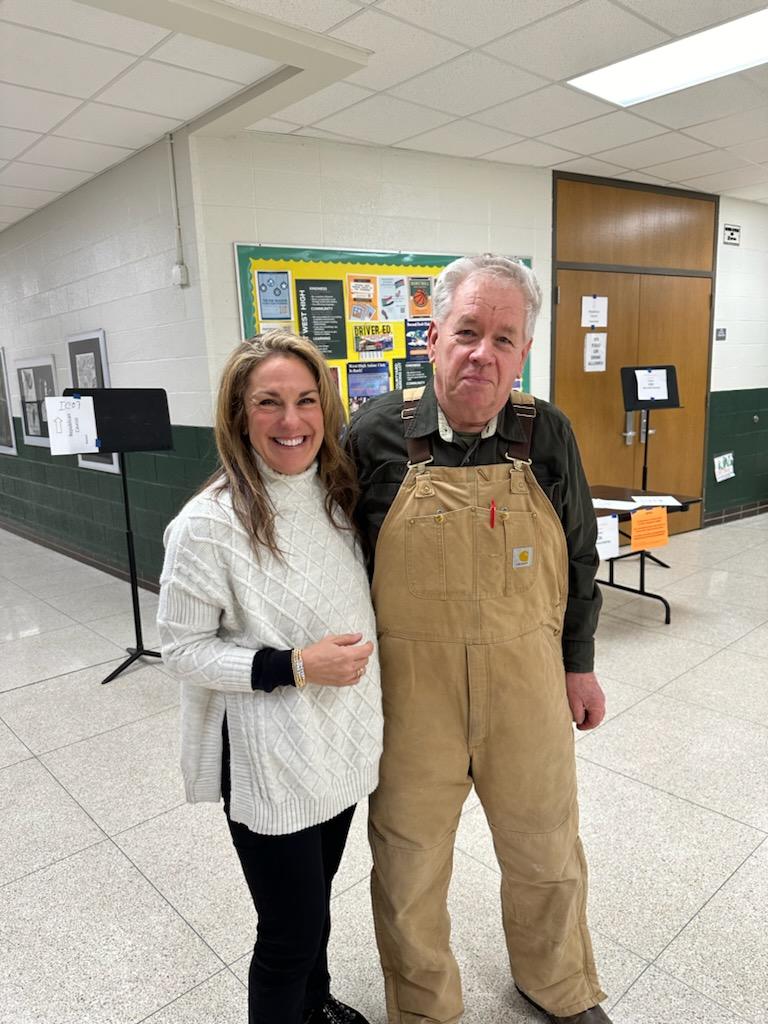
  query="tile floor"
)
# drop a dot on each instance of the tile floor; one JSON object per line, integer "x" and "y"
{"x": 119, "y": 903}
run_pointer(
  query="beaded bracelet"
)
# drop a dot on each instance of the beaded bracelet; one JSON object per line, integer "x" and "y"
{"x": 297, "y": 664}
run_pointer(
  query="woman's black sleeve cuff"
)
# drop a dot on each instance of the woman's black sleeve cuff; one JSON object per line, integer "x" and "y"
{"x": 270, "y": 669}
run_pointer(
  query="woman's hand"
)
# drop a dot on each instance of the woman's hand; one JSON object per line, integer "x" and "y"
{"x": 337, "y": 660}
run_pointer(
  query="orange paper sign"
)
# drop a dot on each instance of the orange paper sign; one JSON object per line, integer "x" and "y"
{"x": 649, "y": 529}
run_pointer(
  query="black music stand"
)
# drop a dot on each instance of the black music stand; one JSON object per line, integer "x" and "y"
{"x": 629, "y": 387}
{"x": 129, "y": 420}
{"x": 632, "y": 403}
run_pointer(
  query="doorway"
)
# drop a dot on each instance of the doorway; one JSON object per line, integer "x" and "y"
{"x": 656, "y": 315}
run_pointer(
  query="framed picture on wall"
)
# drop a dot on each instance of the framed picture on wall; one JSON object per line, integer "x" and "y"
{"x": 7, "y": 435}
{"x": 89, "y": 369}
{"x": 37, "y": 381}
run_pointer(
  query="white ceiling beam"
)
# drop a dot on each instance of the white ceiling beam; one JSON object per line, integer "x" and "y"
{"x": 311, "y": 61}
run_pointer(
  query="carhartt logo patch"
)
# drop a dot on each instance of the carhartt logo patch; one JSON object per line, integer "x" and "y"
{"x": 522, "y": 558}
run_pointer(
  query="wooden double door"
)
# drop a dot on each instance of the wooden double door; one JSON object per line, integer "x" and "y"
{"x": 653, "y": 319}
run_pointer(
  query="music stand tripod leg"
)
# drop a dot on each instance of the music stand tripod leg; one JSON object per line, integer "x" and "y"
{"x": 139, "y": 650}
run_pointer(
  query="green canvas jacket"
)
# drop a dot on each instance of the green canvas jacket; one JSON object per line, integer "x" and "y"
{"x": 376, "y": 441}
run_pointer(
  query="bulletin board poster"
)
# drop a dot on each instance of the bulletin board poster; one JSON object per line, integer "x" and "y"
{"x": 367, "y": 312}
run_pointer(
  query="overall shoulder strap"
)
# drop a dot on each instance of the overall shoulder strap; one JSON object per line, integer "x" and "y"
{"x": 525, "y": 410}
{"x": 418, "y": 448}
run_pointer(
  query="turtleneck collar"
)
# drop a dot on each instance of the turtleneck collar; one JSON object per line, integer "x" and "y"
{"x": 287, "y": 481}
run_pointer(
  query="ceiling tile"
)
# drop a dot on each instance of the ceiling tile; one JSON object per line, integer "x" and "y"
{"x": 593, "y": 136}
{"x": 471, "y": 82}
{"x": 78, "y": 156}
{"x": 758, "y": 76}
{"x": 685, "y": 16}
{"x": 32, "y": 109}
{"x": 382, "y": 119}
{"x": 13, "y": 142}
{"x": 532, "y": 153}
{"x": 211, "y": 59}
{"x": 330, "y": 100}
{"x": 10, "y": 214}
{"x": 43, "y": 61}
{"x": 750, "y": 192}
{"x": 57, "y": 179}
{"x": 401, "y": 51}
{"x": 669, "y": 146}
{"x": 486, "y": 21}
{"x": 88, "y": 24}
{"x": 30, "y": 198}
{"x": 641, "y": 176}
{"x": 318, "y": 133}
{"x": 692, "y": 166}
{"x": 588, "y": 165}
{"x": 96, "y": 122}
{"x": 543, "y": 111}
{"x": 704, "y": 102}
{"x": 756, "y": 151}
{"x": 272, "y": 124}
{"x": 578, "y": 39}
{"x": 460, "y": 138}
{"x": 730, "y": 179}
{"x": 318, "y": 16}
{"x": 171, "y": 92}
{"x": 732, "y": 130}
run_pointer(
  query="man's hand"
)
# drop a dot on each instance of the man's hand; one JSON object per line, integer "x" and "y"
{"x": 586, "y": 698}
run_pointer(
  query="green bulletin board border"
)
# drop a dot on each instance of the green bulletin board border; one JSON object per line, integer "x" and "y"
{"x": 246, "y": 251}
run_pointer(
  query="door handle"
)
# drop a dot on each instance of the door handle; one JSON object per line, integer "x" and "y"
{"x": 629, "y": 432}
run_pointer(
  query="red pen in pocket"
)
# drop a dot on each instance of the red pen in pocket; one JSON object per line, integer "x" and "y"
{"x": 493, "y": 512}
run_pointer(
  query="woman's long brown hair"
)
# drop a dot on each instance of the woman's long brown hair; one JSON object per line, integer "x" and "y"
{"x": 238, "y": 471}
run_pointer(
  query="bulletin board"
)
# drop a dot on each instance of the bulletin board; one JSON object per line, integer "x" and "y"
{"x": 367, "y": 312}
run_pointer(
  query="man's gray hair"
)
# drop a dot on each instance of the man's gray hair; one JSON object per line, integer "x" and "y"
{"x": 501, "y": 267}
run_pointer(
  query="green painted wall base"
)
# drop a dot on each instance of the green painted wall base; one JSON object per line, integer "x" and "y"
{"x": 80, "y": 511}
{"x": 738, "y": 423}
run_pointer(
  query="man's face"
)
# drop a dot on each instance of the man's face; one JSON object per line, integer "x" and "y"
{"x": 478, "y": 350}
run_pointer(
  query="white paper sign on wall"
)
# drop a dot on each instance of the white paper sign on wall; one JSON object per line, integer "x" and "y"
{"x": 724, "y": 467}
{"x": 732, "y": 234}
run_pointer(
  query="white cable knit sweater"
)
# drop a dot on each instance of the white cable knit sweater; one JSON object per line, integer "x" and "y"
{"x": 298, "y": 757}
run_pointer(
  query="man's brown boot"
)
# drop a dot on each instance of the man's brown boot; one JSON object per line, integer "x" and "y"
{"x": 594, "y": 1015}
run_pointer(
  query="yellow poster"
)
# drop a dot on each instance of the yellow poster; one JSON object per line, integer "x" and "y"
{"x": 365, "y": 311}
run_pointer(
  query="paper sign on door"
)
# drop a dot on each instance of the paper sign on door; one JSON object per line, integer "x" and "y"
{"x": 649, "y": 529}
{"x": 594, "y": 352}
{"x": 594, "y": 311}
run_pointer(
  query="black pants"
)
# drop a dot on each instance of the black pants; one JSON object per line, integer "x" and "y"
{"x": 290, "y": 880}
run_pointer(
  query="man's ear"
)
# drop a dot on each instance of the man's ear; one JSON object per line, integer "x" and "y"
{"x": 432, "y": 341}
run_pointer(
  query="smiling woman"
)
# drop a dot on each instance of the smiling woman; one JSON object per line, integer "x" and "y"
{"x": 285, "y": 418}
{"x": 265, "y": 616}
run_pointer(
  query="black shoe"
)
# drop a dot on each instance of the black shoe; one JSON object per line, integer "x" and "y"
{"x": 594, "y": 1015}
{"x": 334, "y": 1012}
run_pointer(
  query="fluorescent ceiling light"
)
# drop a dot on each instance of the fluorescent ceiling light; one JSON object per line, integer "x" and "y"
{"x": 699, "y": 58}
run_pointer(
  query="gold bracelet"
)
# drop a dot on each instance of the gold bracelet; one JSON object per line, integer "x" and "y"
{"x": 297, "y": 664}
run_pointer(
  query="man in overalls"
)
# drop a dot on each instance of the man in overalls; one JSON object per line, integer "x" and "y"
{"x": 474, "y": 500}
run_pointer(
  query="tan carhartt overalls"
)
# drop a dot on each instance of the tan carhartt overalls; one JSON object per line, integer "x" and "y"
{"x": 470, "y": 587}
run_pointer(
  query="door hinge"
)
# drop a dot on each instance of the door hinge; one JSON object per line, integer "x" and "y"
{"x": 557, "y": 294}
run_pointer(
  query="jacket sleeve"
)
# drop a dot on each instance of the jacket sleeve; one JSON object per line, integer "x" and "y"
{"x": 194, "y": 592}
{"x": 584, "y": 597}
